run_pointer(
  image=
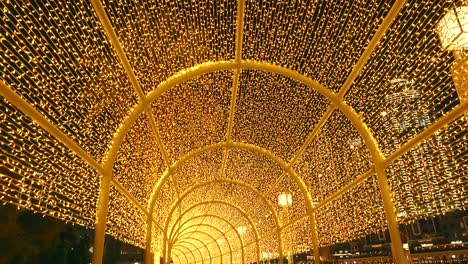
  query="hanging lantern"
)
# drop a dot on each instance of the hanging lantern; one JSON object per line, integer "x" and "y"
{"x": 453, "y": 29}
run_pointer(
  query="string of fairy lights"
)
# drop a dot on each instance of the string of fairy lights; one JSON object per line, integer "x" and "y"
{"x": 139, "y": 147}
{"x": 198, "y": 107}
{"x": 125, "y": 221}
{"x": 56, "y": 56}
{"x": 410, "y": 76}
{"x": 40, "y": 174}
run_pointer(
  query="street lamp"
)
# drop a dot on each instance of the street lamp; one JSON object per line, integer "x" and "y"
{"x": 242, "y": 230}
{"x": 453, "y": 29}
{"x": 285, "y": 201}
{"x": 453, "y": 33}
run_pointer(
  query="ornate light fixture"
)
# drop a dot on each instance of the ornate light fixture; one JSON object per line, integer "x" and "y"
{"x": 453, "y": 33}
{"x": 453, "y": 29}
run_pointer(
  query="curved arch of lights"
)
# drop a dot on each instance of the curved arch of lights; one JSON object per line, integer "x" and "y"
{"x": 183, "y": 254}
{"x": 182, "y": 239}
{"x": 221, "y": 233}
{"x": 240, "y": 210}
{"x": 241, "y": 242}
{"x": 187, "y": 239}
{"x": 188, "y": 251}
{"x": 252, "y": 189}
{"x": 197, "y": 249}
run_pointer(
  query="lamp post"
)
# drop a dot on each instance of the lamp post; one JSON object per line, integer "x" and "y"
{"x": 266, "y": 257}
{"x": 242, "y": 230}
{"x": 453, "y": 33}
{"x": 285, "y": 201}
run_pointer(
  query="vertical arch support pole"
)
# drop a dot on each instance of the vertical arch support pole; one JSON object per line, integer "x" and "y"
{"x": 101, "y": 218}
{"x": 183, "y": 254}
{"x": 397, "y": 245}
{"x": 315, "y": 239}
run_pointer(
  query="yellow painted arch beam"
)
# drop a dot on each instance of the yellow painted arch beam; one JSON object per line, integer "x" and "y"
{"x": 216, "y": 229}
{"x": 221, "y": 252}
{"x": 177, "y": 256}
{"x": 231, "y": 227}
{"x": 198, "y": 70}
{"x": 187, "y": 251}
{"x": 241, "y": 242}
{"x": 204, "y": 233}
{"x": 239, "y": 65}
{"x": 211, "y": 256}
{"x": 184, "y": 254}
{"x": 336, "y": 100}
{"x": 187, "y": 239}
{"x": 196, "y": 249}
{"x": 209, "y": 67}
{"x": 245, "y": 185}
{"x": 189, "y": 230}
{"x": 250, "y": 147}
{"x": 240, "y": 210}
{"x": 206, "y": 245}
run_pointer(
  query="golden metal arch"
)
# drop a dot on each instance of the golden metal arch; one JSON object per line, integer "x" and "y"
{"x": 356, "y": 121}
{"x": 206, "y": 245}
{"x": 183, "y": 254}
{"x": 198, "y": 240}
{"x": 219, "y": 231}
{"x": 229, "y": 65}
{"x": 241, "y": 242}
{"x": 182, "y": 242}
{"x": 197, "y": 70}
{"x": 245, "y": 185}
{"x": 189, "y": 252}
{"x": 177, "y": 256}
{"x": 240, "y": 210}
{"x": 221, "y": 253}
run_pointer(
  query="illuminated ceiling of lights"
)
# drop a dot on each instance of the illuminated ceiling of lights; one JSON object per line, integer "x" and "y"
{"x": 201, "y": 111}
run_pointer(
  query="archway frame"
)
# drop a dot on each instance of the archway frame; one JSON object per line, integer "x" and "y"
{"x": 233, "y": 228}
{"x": 197, "y": 249}
{"x": 376, "y": 154}
{"x": 223, "y": 235}
{"x": 107, "y": 179}
{"x": 185, "y": 239}
{"x": 185, "y": 253}
{"x": 234, "y": 182}
{"x": 178, "y": 231}
{"x": 106, "y": 171}
{"x": 221, "y": 253}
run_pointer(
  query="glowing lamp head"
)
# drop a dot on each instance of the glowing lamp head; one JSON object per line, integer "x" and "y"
{"x": 285, "y": 200}
{"x": 242, "y": 230}
{"x": 453, "y": 29}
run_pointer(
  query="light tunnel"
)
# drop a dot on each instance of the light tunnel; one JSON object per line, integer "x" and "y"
{"x": 232, "y": 131}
